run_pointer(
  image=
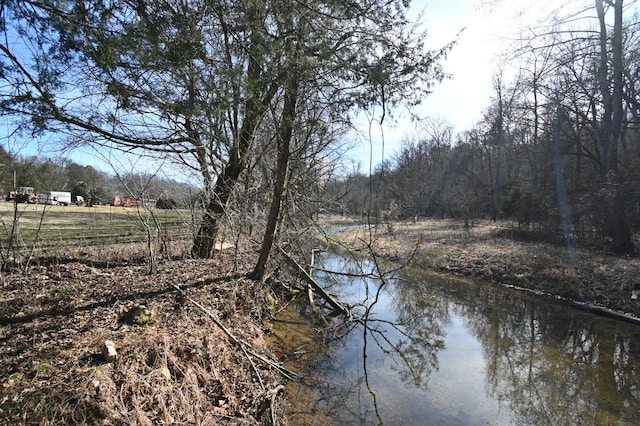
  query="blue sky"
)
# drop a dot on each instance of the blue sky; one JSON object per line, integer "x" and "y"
{"x": 490, "y": 27}
{"x": 459, "y": 100}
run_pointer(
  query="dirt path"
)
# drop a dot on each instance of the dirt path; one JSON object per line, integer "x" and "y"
{"x": 485, "y": 251}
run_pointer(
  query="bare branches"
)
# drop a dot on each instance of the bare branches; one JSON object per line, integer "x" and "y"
{"x": 234, "y": 340}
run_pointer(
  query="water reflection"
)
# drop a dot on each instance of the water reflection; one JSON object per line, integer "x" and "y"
{"x": 450, "y": 352}
{"x": 549, "y": 363}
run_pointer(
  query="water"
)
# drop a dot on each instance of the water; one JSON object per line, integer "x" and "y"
{"x": 448, "y": 351}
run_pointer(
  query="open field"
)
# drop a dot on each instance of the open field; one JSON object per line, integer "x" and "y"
{"x": 52, "y": 226}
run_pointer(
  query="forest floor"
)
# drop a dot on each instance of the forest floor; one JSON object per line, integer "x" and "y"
{"x": 207, "y": 358}
{"x": 202, "y": 360}
{"x": 487, "y": 251}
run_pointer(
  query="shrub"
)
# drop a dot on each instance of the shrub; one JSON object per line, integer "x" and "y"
{"x": 429, "y": 258}
{"x": 166, "y": 203}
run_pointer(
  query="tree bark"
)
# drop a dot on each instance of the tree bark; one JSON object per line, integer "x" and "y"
{"x": 285, "y": 134}
{"x": 204, "y": 242}
{"x": 255, "y": 106}
{"x": 617, "y": 223}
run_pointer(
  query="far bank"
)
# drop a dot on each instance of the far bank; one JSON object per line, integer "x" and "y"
{"x": 491, "y": 251}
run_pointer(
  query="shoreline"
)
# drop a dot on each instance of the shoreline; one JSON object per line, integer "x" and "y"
{"x": 582, "y": 278}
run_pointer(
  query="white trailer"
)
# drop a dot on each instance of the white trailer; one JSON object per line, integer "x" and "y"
{"x": 55, "y": 198}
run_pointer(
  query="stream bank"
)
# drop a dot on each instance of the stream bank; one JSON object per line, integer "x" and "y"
{"x": 486, "y": 252}
{"x": 202, "y": 360}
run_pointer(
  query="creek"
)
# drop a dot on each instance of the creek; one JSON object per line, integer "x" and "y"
{"x": 434, "y": 350}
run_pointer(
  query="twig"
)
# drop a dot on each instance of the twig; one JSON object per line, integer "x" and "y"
{"x": 254, "y": 367}
{"x": 346, "y": 274}
{"x": 274, "y": 393}
{"x": 243, "y": 345}
{"x": 285, "y": 306}
{"x": 284, "y": 371}
{"x": 226, "y": 331}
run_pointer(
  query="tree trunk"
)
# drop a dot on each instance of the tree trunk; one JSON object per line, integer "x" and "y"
{"x": 285, "y": 134}
{"x": 254, "y": 107}
{"x": 617, "y": 224}
{"x": 204, "y": 242}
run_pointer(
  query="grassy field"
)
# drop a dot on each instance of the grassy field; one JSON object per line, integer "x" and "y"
{"x": 61, "y": 225}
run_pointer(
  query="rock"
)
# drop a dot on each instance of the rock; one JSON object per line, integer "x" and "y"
{"x": 166, "y": 373}
{"x": 139, "y": 315}
{"x": 109, "y": 351}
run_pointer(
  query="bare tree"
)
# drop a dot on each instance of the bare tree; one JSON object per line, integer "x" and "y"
{"x": 194, "y": 80}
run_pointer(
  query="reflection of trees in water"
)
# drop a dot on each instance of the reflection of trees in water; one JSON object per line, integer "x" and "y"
{"x": 547, "y": 365}
{"x": 316, "y": 397}
{"x": 410, "y": 342}
{"x": 552, "y": 368}
{"x": 422, "y": 314}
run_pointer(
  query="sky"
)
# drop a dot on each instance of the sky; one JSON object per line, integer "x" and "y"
{"x": 459, "y": 100}
{"x": 487, "y": 31}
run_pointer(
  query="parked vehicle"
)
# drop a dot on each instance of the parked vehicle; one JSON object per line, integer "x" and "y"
{"x": 132, "y": 202}
{"x": 55, "y": 198}
{"x": 24, "y": 194}
{"x": 129, "y": 202}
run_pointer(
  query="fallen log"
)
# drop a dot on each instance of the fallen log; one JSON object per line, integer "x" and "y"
{"x": 317, "y": 287}
{"x": 605, "y": 312}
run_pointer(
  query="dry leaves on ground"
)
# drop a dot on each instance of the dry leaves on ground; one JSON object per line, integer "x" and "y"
{"x": 182, "y": 368}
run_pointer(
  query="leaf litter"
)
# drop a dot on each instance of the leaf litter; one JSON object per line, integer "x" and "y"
{"x": 182, "y": 368}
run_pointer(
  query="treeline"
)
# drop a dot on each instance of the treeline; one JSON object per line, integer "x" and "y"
{"x": 48, "y": 175}
{"x": 557, "y": 151}
{"x": 547, "y": 191}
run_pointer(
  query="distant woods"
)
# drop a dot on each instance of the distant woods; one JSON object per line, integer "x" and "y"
{"x": 557, "y": 151}
{"x": 47, "y": 174}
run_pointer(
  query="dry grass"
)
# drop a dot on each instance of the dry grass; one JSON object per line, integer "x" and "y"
{"x": 7, "y": 209}
{"x": 182, "y": 369}
{"x": 40, "y": 230}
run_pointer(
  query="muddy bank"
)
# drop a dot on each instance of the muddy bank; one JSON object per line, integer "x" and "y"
{"x": 485, "y": 251}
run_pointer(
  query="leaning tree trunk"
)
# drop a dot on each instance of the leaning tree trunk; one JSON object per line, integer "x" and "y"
{"x": 254, "y": 102}
{"x": 204, "y": 242}
{"x": 285, "y": 133}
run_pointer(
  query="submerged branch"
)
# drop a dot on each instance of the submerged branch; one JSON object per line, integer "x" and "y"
{"x": 317, "y": 287}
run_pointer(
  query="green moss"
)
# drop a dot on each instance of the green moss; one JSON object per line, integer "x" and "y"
{"x": 139, "y": 315}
